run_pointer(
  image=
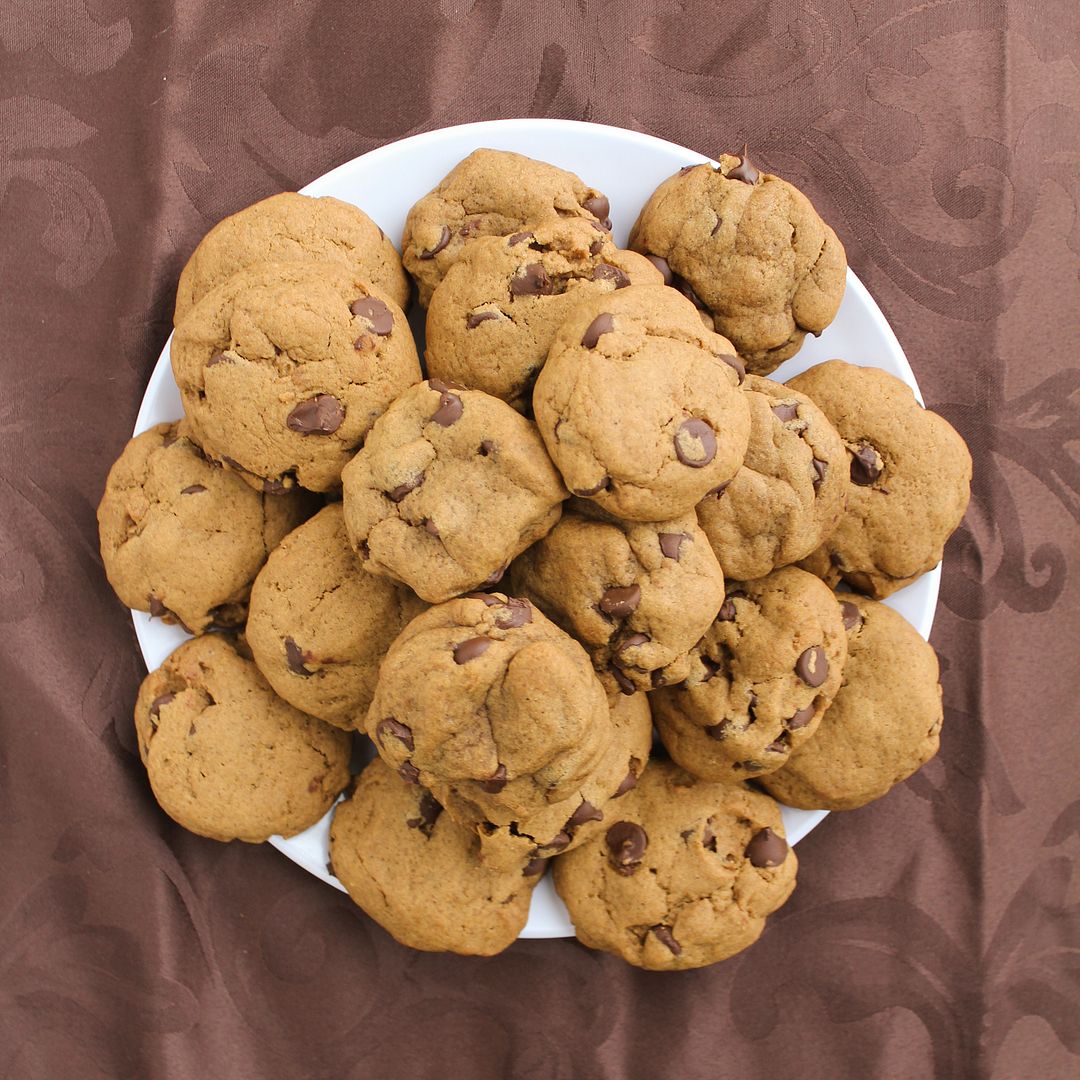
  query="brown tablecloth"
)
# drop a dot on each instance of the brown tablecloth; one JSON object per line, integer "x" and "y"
{"x": 932, "y": 934}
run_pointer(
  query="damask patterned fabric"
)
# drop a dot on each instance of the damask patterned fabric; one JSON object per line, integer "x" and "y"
{"x": 934, "y": 934}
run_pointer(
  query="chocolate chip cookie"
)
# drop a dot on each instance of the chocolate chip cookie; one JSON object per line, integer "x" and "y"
{"x": 485, "y": 694}
{"x": 449, "y": 487}
{"x": 490, "y": 193}
{"x": 419, "y": 875}
{"x": 284, "y": 367}
{"x": 759, "y": 680}
{"x": 637, "y": 595}
{"x": 790, "y": 492}
{"x": 226, "y": 757}
{"x": 183, "y": 539}
{"x": 884, "y": 723}
{"x": 910, "y": 479}
{"x": 290, "y": 227}
{"x": 750, "y": 249}
{"x": 684, "y": 874}
{"x": 507, "y": 842}
{"x": 493, "y": 317}
{"x": 319, "y": 625}
{"x": 639, "y": 404}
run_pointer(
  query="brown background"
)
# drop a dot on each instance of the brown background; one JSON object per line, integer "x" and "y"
{"x": 933, "y": 934}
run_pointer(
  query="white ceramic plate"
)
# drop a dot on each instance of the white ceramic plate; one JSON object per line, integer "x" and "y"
{"x": 627, "y": 167}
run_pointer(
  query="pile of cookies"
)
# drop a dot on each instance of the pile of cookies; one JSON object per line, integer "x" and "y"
{"x": 596, "y": 514}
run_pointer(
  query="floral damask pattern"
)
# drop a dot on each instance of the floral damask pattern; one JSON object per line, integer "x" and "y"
{"x": 935, "y": 934}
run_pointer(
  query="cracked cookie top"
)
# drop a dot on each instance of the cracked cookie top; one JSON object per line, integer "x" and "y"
{"x": 750, "y": 249}
{"x": 490, "y": 193}
{"x": 226, "y": 757}
{"x": 639, "y": 405}
{"x": 450, "y": 486}
{"x": 684, "y": 874}
{"x": 493, "y": 317}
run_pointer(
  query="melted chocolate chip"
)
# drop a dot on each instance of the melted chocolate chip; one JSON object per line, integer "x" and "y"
{"x": 158, "y": 702}
{"x": 865, "y": 466}
{"x": 585, "y": 812}
{"x": 717, "y": 227}
{"x": 518, "y": 238}
{"x": 598, "y": 206}
{"x": 409, "y": 773}
{"x": 478, "y": 317}
{"x": 401, "y": 732}
{"x": 219, "y": 358}
{"x": 720, "y": 731}
{"x": 687, "y": 290}
{"x": 812, "y": 666}
{"x": 607, "y": 272}
{"x": 596, "y": 246}
{"x": 726, "y": 612}
{"x": 449, "y": 410}
{"x": 801, "y": 718}
{"x": 628, "y": 784}
{"x": 192, "y": 489}
{"x": 516, "y": 613}
{"x": 744, "y": 171}
{"x": 375, "y": 312}
{"x": 430, "y": 527}
{"x": 632, "y": 642}
{"x": 625, "y": 685}
{"x": 534, "y": 867}
{"x": 821, "y": 469}
{"x": 559, "y": 842}
{"x": 602, "y": 324}
{"x": 620, "y": 601}
{"x": 626, "y": 843}
{"x": 766, "y": 849}
{"x": 402, "y": 490}
{"x": 695, "y": 443}
{"x": 497, "y": 780}
{"x": 320, "y": 415}
{"x": 464, "y": 651}
{"x": 495, "y": 576}
{"x": 736, "y": 365}
{"x": 786, "y": 411}
{"x": 444, "y": 239}
{"x": 157, "y": 608}
{"x": 532, "y": 281}
{"x": 429, "y": 811}
{"x": 666, "y": 938}
{"x": 604, "y": 484}
{"x": 851, "y": 614}
{"x": 671, "y": 543}
{"x": 486, "y": 598}
{"x": 663, "y": 266}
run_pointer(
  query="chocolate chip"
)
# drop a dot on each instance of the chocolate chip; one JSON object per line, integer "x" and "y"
{"x": 666, "y": 938}
{"x": 402, "y": 490}
{"x": 632, "y": 642}
{"x": 670, "y": 543}
{"x": 534, "y": 867}
{"x": 219, "y": 358}
{"x": 663, "y": 266}
{"x": 657, "y": 679}
{"x": 444, "y": 239}
{"x": 812, "y": 666}
{"x": 607, "y": 272}
{"x": 585, "y": 812}
{"x": 686, "y": 289}
{"x": 170, "y": 437}
{"x": 487, "y": 448}
{"x": 821, "y": 469}
{"x": 865, "y": 466}
{"x": 295, "y": 658}
{"x": 626, "y": 843}
{"x": 766, "y": 849}
{"x": 851, "y": 614}
{"x": 604, "y": 484}
{"x": 516, "y": 613}
{"x": 625, "y": 685}
{"x": 801, "y": 718}
{"x": 620, "y": 601}
{"x": 532, "y": 281}
{"x": 443, "y": 387}
{"x": 596, "y": 246}
{"x": 430, "y": 527}
{"x": 598, "y": 206}
{"x": 779, "y": 745}
{"x": 409, "y": 773}
{"x": 785, "y": 411}
{"x": 478, "y": 317}
{"x": 487, "y": 599}
{"x": 628, "y": 784}
{"x": 744, "y": 171}
{"x": 602, "y": 324}
{"x": 464, "y": 651}
{"x": 321, "y": 415}
{"x": 401, "y": 732}
{"x": 720, "y": 731}
{"x": 157, "y": 608}
{"x": 497, "y": 780}
{"x": 449, "y": 410}
{"x": 559, "y": 842}
{"x": 192, "y": 489}
{"x": 736, "y": 364}
{"x": 375, "y": 312}
{"x": 495, "y": 576}
{"x": 518, "y": 237}
{"x": 726, "y": 612}
{"x": 717, "y": 227}
{"x": 695, "y": 443}
{"x": 158, "y": 702}
{"x": 429, "y": 811}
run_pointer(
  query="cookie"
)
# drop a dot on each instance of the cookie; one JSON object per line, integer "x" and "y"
{"x": 685, "y": 874}
{"x": 910, "y": 479}
{"x": 489, "y": 193}
{"x": 790, "y": 492}
{"x": 226, "y": 757}
{"x": 319, "y": 625}
{"x": 759, "y": 680}
{"x": 284, "y": 367}
{"x": 884, "y": 723}
{"x": 750, "y": 249}
{"x": 183, "y": 539}
{"x": 485, "y": 694}
{"x": 291, "y": 227}
{"x": 493, "y": 317}
{"x": 637, "y": 595}
{"x": 449, "y": 487}
{"x": 639, "y": 404}
{"x": 507, "y": 842}
{"x": 418, "y": 874}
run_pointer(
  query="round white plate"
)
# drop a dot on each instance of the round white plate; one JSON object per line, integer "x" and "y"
{"x": 627, "y": 167}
